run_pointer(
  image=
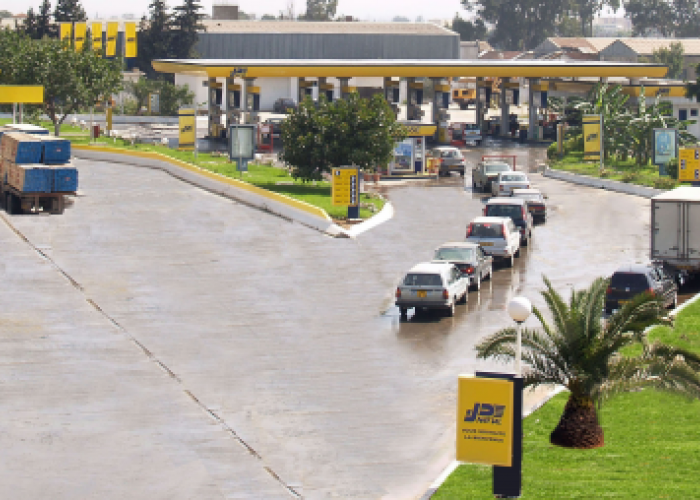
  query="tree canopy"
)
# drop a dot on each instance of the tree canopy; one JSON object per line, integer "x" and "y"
{"x": 186, "y": 24}
{"x": 671, "y": 56}
{"x": 69, "y": 11}
{"x": 320, "y": 10}
{"x": 352, "y": 131}
{"x": 573, "y": 347}
{"x": 71, "y": 79}
{"x": 469, "y": 30}
{"x": 667, "y": 18}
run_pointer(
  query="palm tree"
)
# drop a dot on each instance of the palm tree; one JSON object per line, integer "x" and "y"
{"x": 582, "y": 352}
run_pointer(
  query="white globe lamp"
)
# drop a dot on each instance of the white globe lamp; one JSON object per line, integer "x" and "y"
{"x": 519, "y": 310}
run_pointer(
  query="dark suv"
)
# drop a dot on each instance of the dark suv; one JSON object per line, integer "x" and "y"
{"x": 634, "y": 279}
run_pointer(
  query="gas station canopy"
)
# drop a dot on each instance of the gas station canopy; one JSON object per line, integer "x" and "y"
{"x": 348, "y": 68}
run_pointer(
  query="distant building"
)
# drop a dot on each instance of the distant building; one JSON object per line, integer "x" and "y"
{"x": 612, "y": 26}
{"x": 632, "y": 49}
{"x": 473, "y": 49}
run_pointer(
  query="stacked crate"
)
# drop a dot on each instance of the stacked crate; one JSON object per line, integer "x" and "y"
{"x": 37, "y": 163}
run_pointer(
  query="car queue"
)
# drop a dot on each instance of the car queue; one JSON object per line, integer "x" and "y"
{"x": 497, "y": 236}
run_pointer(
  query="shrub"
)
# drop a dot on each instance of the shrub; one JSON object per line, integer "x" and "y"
{"x": 630, "y": 177}
{"x": 672, "y": 168}
{"x": 665, "y": 183}
{"x": 573, "y": 144}
{"x": 552, "y": 151}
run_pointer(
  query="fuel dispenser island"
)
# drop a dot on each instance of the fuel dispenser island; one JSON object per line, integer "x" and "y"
{"x": 441, "y": 104}
{"x": 410, "y": 154}
{"x": 214, "y": 128}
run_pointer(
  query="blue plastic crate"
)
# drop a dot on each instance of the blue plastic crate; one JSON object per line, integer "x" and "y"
{"x": 65, "y": 179}
{"x": 54, "y": 150}
{"x": 37, "y": 179}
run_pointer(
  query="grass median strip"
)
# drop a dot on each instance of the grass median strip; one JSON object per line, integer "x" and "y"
{"x": 264, "y": 176}
{"x": 652, "y": 444}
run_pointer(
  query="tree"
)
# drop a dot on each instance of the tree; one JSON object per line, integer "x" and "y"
{"x": 668, "y": 18}
{"x": 520, "y": 24}
{"x": 352, "y": 131}
{"x": 692, "y": 89}
{"x": 320, "y": 10}
{"x": 588, "y": 9}
{"x": 69, "y": 11}
{"x": 4, "y": 14}
{"x": 72, "y": 80}
{"x": 37, "y": 26}
{"x": 172, "y": 97}
{"x": 581, "y": 352}
{"x": 155, "y": 34}
{"x": 469, "y": 30}
{"x": 671, "y": 56}
{"x": 186, "y": 24}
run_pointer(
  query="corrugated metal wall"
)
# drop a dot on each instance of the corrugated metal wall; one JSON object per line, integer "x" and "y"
{"x": 326, "y": 46}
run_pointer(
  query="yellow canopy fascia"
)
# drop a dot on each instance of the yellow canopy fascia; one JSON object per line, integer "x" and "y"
{"x": 316, "y": 68}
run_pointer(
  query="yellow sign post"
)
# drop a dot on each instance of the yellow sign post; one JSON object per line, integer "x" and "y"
{"x": 187, "y": 130}
{"x": 485, "y": 421}
{"x": 109, "y": 118}
{"x": 25, "y": 94}
{"x": 592, "y": 137}
{"x": 689, "y": 164}
{"x": 345, "y": 187}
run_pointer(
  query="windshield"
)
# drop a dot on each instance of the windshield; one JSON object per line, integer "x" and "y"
{"x": 633, "y": 281}
{"x": 512, "y": 211}
{"x": 471, "y": 126}
{"x": 453, "y": 254}
{"x": 414, "y": 279}
{"x": 497, "y": 167}
{"x": 513, "y": 178}
{"x": 486, "y": 230}
{"x": 527, "y": 196}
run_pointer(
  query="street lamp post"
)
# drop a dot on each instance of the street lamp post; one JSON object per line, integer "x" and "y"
{"x": 519, "y": 309}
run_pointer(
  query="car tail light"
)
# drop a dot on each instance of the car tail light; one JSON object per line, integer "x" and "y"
{"x": 470, "y": 227}
{"x": 469, "y": 270}
{"x": 398, "y": 293}
{"x": 445, "y": 294}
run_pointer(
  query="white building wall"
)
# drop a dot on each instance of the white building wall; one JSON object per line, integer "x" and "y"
{"x": 692, "y": 109}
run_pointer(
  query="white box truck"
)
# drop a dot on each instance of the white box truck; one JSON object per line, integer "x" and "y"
{"x": 675, "y": 229}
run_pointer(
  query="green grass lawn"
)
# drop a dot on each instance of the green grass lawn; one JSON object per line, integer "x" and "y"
{"x": 652, "y": 444}
{"x": 264, "y": 176}
{"x": 625, "y": 171}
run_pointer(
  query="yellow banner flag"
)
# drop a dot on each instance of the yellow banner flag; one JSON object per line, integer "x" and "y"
{"x": 66, "y": 30}
{"x": 96, "y": 36}
{"x": 591, "y": 137}
{"x": 80, "y": 33}
{"x": 130, "y": 39}
{"x": 112, "y": 31}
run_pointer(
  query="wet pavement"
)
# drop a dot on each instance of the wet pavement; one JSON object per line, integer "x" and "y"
{"x": 162, "y": 342}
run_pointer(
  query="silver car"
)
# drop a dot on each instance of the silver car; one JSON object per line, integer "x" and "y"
{"x": 504, "y": 184}
{"x": 486, "y": 172}
{"x": 497, "y": 236}
{"x": 450, "y": 159}
{"x": 469, "y": 258}
{"x": 432, "y": 285}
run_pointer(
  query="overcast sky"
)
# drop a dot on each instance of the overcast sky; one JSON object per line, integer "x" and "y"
{"x": 363, "y": 9}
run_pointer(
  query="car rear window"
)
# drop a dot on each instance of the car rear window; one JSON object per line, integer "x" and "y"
{"x": 451, "y": 254}
{"x": 528, "y": 197}
{"x": 633, "y": 281}
{"x": 497, "y": 167}
{"x": 416, "y": 279}
{"x": 513, "y": 178}
{"x": 486, "y": 230}
{"x": 512, "y": 211}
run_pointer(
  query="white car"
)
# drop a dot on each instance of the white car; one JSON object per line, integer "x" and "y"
{"x": 432, "y": 285}
{"x": 497, "y": 236}
{"x": 504, "y": 184}
{"x": 486, "y": 172}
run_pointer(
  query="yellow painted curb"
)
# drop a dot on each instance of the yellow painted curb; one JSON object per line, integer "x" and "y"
{"x": 297, "y": 204}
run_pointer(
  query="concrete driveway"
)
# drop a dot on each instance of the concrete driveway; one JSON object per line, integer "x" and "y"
{"x": 162, "y": 342}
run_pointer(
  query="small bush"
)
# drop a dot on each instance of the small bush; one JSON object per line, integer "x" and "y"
{"x": 552, "y": 151}
{"x": 630, "y": 177}
{"x": 665, "y": 183}
{"x": 605, "y": 173}
{"x": 672, "y": 168}
{"x": 573, "y": 144}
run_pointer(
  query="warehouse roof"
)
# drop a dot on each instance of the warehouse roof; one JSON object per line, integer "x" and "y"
{"x": 585, "y": 45}
{"x": 646, "y": 46}
{"x": 310, "y": 27}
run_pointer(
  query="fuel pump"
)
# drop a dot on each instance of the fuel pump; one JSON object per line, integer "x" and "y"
{"x": 233, "y": 103}
{"x": 441, "y": 103}
{"x": 306, "y": 88}
{"x": 392, "y": 94}
{"x": 215, "y": 102}
{"x": 415, "y": 99}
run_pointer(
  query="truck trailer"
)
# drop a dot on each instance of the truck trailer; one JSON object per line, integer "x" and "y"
{"x": 675, "y": 230}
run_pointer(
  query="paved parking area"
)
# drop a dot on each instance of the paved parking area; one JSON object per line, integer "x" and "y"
{"x": 174, "y": 344}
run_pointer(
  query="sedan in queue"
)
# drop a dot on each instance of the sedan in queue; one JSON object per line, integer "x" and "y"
{"x": 536, "y": 203}
{"x": 505, "y": 182}
{"x": 497, "y": 236}
{"x": 432, "y": 285}
{"x": 469, "y": 258}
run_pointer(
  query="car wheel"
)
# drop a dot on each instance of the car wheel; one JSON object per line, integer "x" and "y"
{"x": 465, "y": 296}
{"x": 461, "y": 172}
{"x": 525, "y": 242}
{"x": 404, "y": 312}
{"x": 489, "y": 275}
{"x": 451, "y": 309}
